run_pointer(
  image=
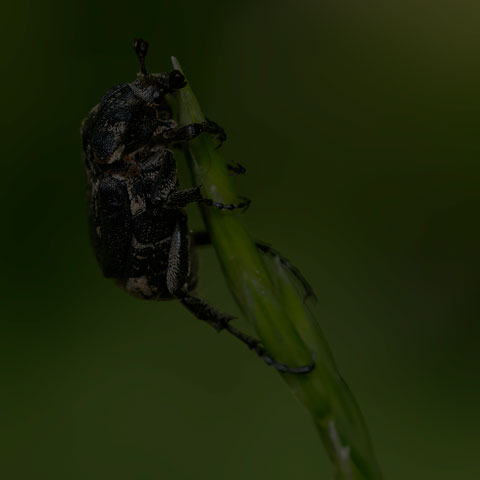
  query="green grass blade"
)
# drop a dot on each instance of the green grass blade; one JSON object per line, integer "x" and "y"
{"x": 270, "y": 302}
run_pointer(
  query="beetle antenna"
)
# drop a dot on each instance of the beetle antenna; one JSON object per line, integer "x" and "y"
{"x": 141, "y": 48}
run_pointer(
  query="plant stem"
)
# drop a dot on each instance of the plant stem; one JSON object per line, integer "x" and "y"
{"x": 271, "y": 304}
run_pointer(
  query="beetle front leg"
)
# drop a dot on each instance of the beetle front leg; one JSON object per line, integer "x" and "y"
{"x": 189, "y": 132}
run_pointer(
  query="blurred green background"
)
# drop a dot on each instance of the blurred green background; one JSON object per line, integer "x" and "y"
{"x": 358, "y": 124}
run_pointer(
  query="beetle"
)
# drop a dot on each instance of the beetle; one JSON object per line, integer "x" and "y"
{"x": 137, "y": 222}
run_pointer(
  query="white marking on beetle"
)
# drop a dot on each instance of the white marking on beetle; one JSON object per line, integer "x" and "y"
{"x": 139, "y": 245}
{"x": 139, "y": 285}
{"x": 117, "y": 154}
{"x": 137, "y": 203}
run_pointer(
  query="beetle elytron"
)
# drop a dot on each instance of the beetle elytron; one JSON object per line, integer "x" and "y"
{"x": 137, "y": 224}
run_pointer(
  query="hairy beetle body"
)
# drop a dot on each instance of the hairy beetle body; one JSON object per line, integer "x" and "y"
{"x": 130, "y": 232}
{"x": 138, "y": 226}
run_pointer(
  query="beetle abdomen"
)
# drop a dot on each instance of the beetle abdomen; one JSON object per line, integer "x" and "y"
{"x": 145, "y": 275}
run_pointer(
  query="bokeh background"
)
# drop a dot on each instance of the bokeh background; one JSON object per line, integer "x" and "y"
{"x": 358, "y": 123}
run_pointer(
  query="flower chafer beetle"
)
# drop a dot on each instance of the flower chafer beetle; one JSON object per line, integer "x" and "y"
{"x": 137, "y": 222}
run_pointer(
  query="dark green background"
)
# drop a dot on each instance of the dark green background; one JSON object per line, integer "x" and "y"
{"x": 358, "y": 123}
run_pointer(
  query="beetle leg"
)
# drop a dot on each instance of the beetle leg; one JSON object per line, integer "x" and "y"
{"x": 220, "y": 321}
{"x": 268, "y": 249}
{"x": 244, "y": 204}
{"x": 237, "y": 168}
{"x": 177, "y": 282}
{"x": 181, "y": 198}
{"x": 203, "y": 238}
{"x": 189, "y": 132}
{"x": 178, "y": 269}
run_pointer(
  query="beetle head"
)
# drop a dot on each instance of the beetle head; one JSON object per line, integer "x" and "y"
{"x": 153, "y": 87}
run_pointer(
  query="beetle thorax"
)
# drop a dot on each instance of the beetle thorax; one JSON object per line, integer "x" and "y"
{"x": 151, "y": 88}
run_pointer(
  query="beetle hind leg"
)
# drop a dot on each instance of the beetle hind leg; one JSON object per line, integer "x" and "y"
{"x": 178, "y": 274}
{"x": 221, "y": 321}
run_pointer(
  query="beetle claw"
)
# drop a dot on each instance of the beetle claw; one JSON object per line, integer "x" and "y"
{"x": 281, "y": 367}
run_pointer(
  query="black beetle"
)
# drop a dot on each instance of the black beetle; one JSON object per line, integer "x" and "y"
{"x": 138, "y": 227}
